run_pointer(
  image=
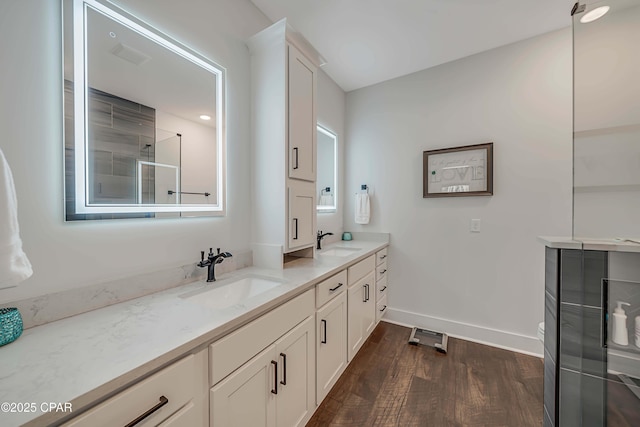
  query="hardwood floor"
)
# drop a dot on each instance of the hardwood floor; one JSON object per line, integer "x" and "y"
{"x": 392, "y": 383}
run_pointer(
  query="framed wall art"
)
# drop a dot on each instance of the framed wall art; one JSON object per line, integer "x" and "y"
{"x": 458, "y": 171}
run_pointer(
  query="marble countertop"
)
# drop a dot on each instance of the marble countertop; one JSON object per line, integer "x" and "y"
{"x": 612, "y": 245}
{"x": 82, "y": 358}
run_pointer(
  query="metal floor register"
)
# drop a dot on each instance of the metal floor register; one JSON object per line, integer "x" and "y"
{"x": 430, "y": 339}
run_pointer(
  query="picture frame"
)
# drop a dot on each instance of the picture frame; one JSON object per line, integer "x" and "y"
{"x": 458, "y": 171}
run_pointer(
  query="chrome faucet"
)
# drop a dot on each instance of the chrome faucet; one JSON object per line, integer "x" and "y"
{"x": 320, "y": 236}
{"x": 211, "y": 261}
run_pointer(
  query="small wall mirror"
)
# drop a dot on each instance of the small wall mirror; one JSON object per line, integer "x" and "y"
{"x": 144, "y": 119}
{"x": 327, "y": 170}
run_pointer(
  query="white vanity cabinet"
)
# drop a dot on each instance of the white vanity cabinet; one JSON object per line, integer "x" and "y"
{"x": 382, "y": 283}
{"x": 331, "y": 333}
{"x": 283, "y": 75}
{"x": 174, "y": 396}
{"x": 266, "y": 385}
{"x": 361, "y": 304}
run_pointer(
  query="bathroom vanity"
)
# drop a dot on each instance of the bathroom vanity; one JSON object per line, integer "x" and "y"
{"x": 589, "y": 378}
{"x": 261, "y": 346}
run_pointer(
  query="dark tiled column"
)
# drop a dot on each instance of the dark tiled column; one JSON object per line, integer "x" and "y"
{"x": 582, "y": 360}
{"x": 552, "y": 269}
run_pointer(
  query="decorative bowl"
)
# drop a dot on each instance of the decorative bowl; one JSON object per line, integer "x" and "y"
{"x": 10, "y": 325}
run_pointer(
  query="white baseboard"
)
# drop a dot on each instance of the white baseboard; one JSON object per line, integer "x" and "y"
{"x": 482, "y": 335}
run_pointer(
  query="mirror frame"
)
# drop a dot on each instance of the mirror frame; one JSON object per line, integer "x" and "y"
{"x": 80, "y": 113}
{"x": 330, "y": 134}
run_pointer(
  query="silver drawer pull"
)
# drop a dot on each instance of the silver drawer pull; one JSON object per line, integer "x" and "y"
{"x": 163, "y": 401}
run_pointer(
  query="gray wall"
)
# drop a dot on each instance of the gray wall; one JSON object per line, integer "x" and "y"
{"x": 486, "y": 286}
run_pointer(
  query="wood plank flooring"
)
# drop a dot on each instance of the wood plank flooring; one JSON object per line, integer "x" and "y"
{"x": 392, "y": 383}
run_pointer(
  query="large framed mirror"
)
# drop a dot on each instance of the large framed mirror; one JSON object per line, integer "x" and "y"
{"x": 327, "y": 179}
{"x": 144, "y": 119}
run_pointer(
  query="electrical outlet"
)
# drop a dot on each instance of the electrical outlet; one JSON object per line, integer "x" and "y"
{"x": 474, "y": 226}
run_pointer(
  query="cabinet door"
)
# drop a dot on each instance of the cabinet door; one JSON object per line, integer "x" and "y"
{"x": 245, "y": 397}
{"x": 302, "y": 209}
{"x": 362, "y": 315}
{"x": 331, "y": 339}
{"x": 369, "y": 306}
{"x": 296, "y": 375}
{"x": 355, "y": 305}
{"x": 301, "y": 117}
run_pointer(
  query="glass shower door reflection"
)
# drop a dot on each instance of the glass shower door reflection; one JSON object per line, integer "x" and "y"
{"x": 606, "y": 125}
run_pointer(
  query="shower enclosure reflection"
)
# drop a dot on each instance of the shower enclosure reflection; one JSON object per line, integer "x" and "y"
{"x": 144, "y": 119}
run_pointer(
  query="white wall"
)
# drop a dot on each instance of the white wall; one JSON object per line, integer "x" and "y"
{"x": 331, "y": 115}
{"x": 72, "y": 255}
{"x": 487, "y": 286}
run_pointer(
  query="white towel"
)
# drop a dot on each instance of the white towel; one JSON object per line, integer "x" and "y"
{"x": 14, "y": 264}
{"x": 326, "y": 200}
{"x": 363, "y": 208}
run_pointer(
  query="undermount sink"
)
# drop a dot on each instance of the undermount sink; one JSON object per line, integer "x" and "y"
{"x": 232, "y": 293}
{"x": 340, "y": 251}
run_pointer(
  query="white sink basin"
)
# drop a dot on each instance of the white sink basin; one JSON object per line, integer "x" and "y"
{"x": 231, "y": 293}
{"x": 340, "y": 251}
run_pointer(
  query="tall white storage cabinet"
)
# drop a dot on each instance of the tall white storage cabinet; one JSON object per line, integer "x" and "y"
{"x": 283, "y": 74}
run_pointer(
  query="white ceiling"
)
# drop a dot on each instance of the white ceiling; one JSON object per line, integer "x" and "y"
{"x": 370, "y": 41}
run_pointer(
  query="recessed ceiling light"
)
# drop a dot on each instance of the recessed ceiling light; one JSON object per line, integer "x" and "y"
{"x": 205, "y": 117}
{"x": 112, "y": 34}
{"x": 596, "y": 13}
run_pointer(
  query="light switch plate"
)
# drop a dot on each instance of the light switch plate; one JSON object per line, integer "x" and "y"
{"x": 474, "y": 226}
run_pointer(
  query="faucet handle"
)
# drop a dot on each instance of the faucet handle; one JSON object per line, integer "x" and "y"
{"x": 202, "y": 256}
{"x": 218, "y": 251}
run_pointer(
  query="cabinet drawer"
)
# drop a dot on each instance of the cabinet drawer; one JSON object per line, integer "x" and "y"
{"x": 229, "y": 353}
{"x": 381, "y": 308}
{"x": 177, "y": 383}
{"x": 381, "y": 288}
{"x": 381, "y": 271}
{"x": 361, "y": 269}
{"x": 330, "y": 288}
{"x": 381, "y": 256}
